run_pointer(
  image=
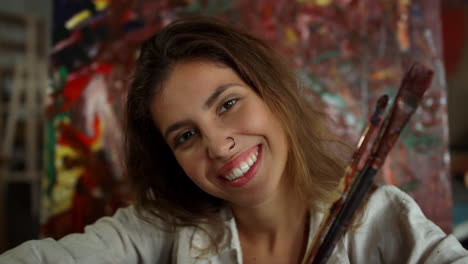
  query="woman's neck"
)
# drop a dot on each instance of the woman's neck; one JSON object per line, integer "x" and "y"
{"x": 276, "y": 227}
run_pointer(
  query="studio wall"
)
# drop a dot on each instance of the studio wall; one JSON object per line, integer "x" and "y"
{"x": 346, "y": 53}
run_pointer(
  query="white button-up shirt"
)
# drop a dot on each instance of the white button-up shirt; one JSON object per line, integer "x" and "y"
{"x": 392, "y": 230}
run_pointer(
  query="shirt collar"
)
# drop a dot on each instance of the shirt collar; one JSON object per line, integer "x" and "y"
{"x": 194, "y": 242}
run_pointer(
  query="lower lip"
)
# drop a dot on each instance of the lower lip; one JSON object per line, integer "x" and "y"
{"x": 249, "y": 175}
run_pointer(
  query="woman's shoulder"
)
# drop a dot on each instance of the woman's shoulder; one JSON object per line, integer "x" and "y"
{"x": 394, "y": 227}
{"x": 389, "y": 209}
{"x": 392, "y": 200}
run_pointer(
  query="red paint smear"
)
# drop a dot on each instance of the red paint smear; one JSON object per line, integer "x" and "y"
{"x": 77, "y": 82}
{"x": 454, "y": 36}
{"x": 71, "y": 136}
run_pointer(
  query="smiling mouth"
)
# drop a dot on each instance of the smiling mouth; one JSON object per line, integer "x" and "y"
{"x": 243, "y": 168}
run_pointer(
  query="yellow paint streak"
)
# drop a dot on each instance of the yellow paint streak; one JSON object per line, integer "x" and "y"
{"x": 77, "y": 19}
{"x": 323, "y": 2}
{"x": 291, "y": 36}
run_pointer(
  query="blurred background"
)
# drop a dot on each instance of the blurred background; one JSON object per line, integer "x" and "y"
{"x": 65, "y": 67}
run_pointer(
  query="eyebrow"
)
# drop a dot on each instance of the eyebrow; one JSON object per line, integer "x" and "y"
{"x": 176, "y": 126}
{"x": 208, "y": 103}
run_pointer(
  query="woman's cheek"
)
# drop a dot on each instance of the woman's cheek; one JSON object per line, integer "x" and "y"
{"x": 188, "y": 163}
{"x": 253, "y": 118}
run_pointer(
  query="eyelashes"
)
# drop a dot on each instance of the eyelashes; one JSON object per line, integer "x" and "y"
{"x": 184, "y": 137}
{"x": 187, "y": 135}
{"x": 227, "y": 105}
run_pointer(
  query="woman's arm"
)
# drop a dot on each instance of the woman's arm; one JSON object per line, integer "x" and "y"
{"x": 123, "y": 238}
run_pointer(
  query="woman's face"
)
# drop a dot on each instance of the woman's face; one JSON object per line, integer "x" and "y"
{"x": 203, "y": 104}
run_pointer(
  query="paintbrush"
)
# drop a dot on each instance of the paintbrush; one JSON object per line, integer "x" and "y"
{"x": 350, "y": 174}
{"x": 415, "y": 82}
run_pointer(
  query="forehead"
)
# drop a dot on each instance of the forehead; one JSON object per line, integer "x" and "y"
{"x": 189, "y": 75}
{"x": 187, "y": 87}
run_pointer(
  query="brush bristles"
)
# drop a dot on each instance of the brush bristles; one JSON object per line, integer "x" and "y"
{"x": 381, "y": 103}
{"x": 417, "y": 80}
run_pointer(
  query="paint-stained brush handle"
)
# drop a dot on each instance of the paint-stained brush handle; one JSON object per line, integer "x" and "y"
{"x": 415, "y": 82}
{"x": 350, "y": 174}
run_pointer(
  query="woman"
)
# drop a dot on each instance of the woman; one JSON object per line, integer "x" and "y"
{"x": 232, "y": 165}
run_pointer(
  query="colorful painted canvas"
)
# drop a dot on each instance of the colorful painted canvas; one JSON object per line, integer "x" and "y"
{"x": 345, "y": 52}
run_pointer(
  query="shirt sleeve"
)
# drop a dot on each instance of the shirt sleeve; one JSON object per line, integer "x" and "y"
{"x": 394, "y": 230}
{"x": 122, "y": 238}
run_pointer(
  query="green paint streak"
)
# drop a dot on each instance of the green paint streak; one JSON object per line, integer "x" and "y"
{"x": 334, "y": 99}
{"x": 423, "y": 144}
{"x": 311, "y": 81}
{"x": 49, "y": 159}
{"x": 410, "y": 186}
{"x": 326, "y": 56}
{"x": 63, "y": 73}
{"x": 317, "y": 86}
{"x": 391, "y": 90}
{"x": 195, "y": 7}
{"x": 217, "y": 7}
{"x": 214, "y": 7}
{"x": 50, "y": 143}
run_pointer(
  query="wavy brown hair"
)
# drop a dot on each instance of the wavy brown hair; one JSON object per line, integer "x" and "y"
{"x": 161, "y": 186}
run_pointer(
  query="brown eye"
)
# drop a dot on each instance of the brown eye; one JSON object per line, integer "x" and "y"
{"x": 227, "y": 105}
{"x": 184, "y": 137}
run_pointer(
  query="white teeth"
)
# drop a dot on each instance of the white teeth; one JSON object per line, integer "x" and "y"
{"x": 237, "y": 172}
{"x": 230, "y": 177}
{"x": 243, "y": 168}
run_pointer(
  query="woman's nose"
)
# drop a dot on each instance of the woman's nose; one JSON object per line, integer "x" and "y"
{"x": 220, "y": 146}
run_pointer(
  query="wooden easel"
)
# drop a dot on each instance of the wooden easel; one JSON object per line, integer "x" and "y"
{"x": 28, "y": 92}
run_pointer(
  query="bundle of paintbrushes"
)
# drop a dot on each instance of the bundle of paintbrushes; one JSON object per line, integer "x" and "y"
{"x": 356, "y": 181}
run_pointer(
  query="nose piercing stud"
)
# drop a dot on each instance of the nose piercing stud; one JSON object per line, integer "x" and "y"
{"x": 233, "y": 143}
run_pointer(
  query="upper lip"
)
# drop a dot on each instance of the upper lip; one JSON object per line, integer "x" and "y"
{"x": 235, "y": 162}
